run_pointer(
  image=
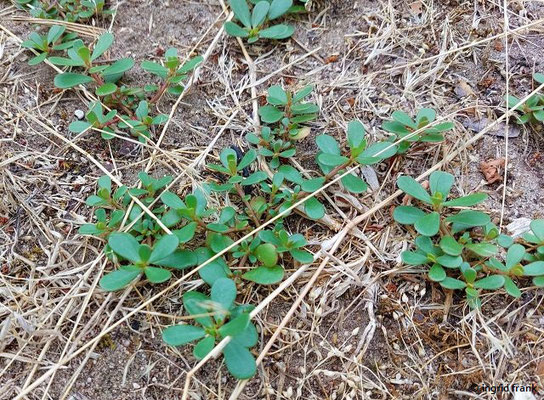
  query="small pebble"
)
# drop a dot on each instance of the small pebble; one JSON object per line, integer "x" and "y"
{"x": 79, "y": 114}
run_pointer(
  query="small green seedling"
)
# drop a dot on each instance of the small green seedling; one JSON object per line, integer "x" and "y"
{"x": 219, "y": 317}
{"x": 95, "y": 118}
{"x": 254, "y": 21}
{"x": 131, "y": 108}
{"x": 45, "y": 44}
{"x": 403, "y": 127}
{"x": 145, "y": 259}
{"x": 67, "y": 10}
{"x": 79, "y": 55}
{"x": 332, "y": 161}
{"x": 285, "y": 113}
{"x": 141, "y": 127}
{"x": 532, "y": 110}
{"x": 173, "y": 73}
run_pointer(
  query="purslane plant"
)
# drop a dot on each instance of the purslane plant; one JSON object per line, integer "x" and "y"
{"x": 218, "y": 317}
{"x": 131, "y": 108}
{"x": 46, "y": 44}
{"x": 256, "y": 22}
{"x": 462, "y": 248}
{"x": 200, "y": 231}
{"x": 285, "y": 113}
{"x": 402, "y": 126}
{"x": 532, "y": 111}
{"x": 67, "y": 10}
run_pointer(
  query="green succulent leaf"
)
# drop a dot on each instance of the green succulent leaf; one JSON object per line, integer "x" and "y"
{"x": 332, "y": 160}
{"x": 279, "y": 31}
{"x": 452, "y": 283}
{"x": 194, "y": 303}
{"x": 327, "y": 144}
{"x": 354, "y": 184}
{"x": 403, "y": 118}
{"x": 241, "y": 11}
{"x": 311, "y": 185}
{"x": 515, "y": 254}
{"x": 155, "y": 69}
{"x": 407, "y": 215}
{"x": 440, "y": 182}
{"x": 118, "y": 279}
{"x": 118, "y": 67}
{"x": 235, "y": 326}
{"x": 511, "y": 288}
{"x": 314, "y": 209}
{"x": 203, "y": 347}
{"x": 104, "y": 43}
{"x": 466, "y": 201}
{"x": 265, "y": 275}
{"x": 437, "y": 273}
{"x": 270, "y": 114}
{"x": 537, "y": 226}
{"x": 377, "y": 152}
{"x": 450, "y": 246}
{"x": 259, "y": 13}
{"x": 356, "y": 134}
{"x": 224, "y": 292}
{"x": 79, "y": 126}
{"x": 449, "y": 261}
{"x": 106, "y": 89}
{"x": 125, "y": 245}
{"x": 429, "y": 224}
{"x": 482, "y": 249}
{"x": 239, "y": 360}
{"x": 468, "y": 219}
{"x": 235, "y": 30}
{"x": 414, "y": 258}
{"x": 164, "y": 247}
{"x": 157, "y": 275}
{"x": 302, "y": 256}
{"x": 280, "y": 7}
{"x": 538, "y": 281}
{"x": 267, "y": 254}
{"x": 69, "y": 80}
{"x": 534, "y": 269}
{"x": 186, "y": 233}
{"x": 182, "y": 334}
{"x": 410, "y": 186}
{"x": 491, "y": 282}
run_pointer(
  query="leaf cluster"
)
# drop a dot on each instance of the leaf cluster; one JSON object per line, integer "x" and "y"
{"x": 130, "y": 108}
{"x": 532, "y": 110}
{"x": 463, "y": 249}
{"x": 67, "y": 10}
{"x": 256, "y": 23}
{"x": 217, "y": 316}
{"x": 403, "y": 128}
